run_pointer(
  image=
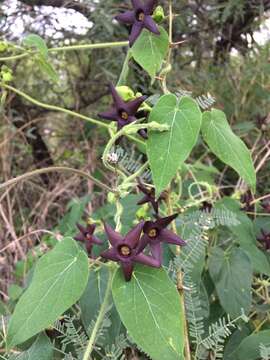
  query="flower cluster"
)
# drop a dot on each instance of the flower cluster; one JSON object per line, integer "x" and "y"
{"x": 129, "y": 249}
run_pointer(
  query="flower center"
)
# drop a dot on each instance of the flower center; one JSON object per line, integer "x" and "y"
{"x": 140, "y": 16}
{"x": 124, "y": 250}
{"x": 152, "y": 233}
{"x": 124, "y": 115}
{"x": 88, "y": 236}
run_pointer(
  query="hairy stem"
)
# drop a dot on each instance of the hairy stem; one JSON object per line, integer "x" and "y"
{"x": 132, "y": 128}
{"x": 69, "y": 48}
{"x": 63, "y": 110}
{"x": 54, "y": 169}
{"x": 180, "y": 288}
{"x": 100, "y": 318}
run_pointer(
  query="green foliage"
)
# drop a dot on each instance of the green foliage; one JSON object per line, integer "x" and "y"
{"x": 174, "y": 146}
{"x": 245, "y": 236}
{"x": 231, "y": 272}
{"x": 150, "y": 50}
{"x": 36, "y": 42}
{"x": 150, "y": 310}
{"x": 60, "y": 278}
{"x": 249, "y": 348}
{"x": 42, "y": 349}
{"x": 227, "y": 146}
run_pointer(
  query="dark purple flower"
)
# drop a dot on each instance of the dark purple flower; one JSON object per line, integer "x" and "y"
{"x": 125, "y": 249}
{"x": 264, "y": 239}
{"x": 122, "y": 112}
{"x": 140, "y": 18}
{"x": 266, "y": 205}
{"x": 155, "y": 233}
{"x": 149, "y": 197}
{"x": 87, "y": 237}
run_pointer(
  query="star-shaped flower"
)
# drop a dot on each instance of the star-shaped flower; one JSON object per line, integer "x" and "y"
{"x": 122, "y": 112}
{"x": 87, "y": 237}
{"x": 264, "y": 239}
{"x": 155, "y": 233}
{"x": 149, "y": 197}
{"x": 125, "y": 249}
{"x": 140, "y": 18}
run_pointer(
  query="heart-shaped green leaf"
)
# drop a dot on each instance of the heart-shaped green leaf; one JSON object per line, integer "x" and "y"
{"x": 150, "y": 309}
{"x": 150, "y": 50}
{"x": 169, "y": 149}
{"x": 59, "y": 280}
{"x": 228, "y": 147}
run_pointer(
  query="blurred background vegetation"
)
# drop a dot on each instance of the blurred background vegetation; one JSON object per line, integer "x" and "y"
{"x": 225, "y": 53}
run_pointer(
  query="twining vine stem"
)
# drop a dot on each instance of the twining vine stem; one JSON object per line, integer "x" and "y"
{"x": 68, "y": 48}
{"x": 58, "y": 108}
{"x": 54, "y": 169}
{"x": 101, "y": 315}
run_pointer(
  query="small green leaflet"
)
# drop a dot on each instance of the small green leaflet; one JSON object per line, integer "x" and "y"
{"x": 41, "y": 349}
{"x": 228, "y": 147}
{"x": 232, "y": 275}
{"x": 169, "y": 149}
{"x": 150, "y": 50}
{"x": 59, "y": 280}
{"x": 150, "y": 309}
{"x": 35, "y": 41}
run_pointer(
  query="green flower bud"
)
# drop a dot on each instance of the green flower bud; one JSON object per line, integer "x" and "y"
{"x": 158, "y": 15}
{"x": 111, "y": 198}
{"x": 125, "y": 92}
{"x": 3, "y": 46}
{"x": 7, "y": 77}
{"x": 142, "y": 212}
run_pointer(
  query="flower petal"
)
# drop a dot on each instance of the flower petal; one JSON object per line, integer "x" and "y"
{"x": 114, "y": 237}
{"x": 164, "y": 222}
{"x": 149, "y": 6}
{"x": 96, "y": 240}
{"x": 133, "y": 236}
{"x": 109, "y": 115}
{"x": 91, "y": 228}
{"x": 118, "y": 101}
{"x": 142, "y": 188}
{"x": 144, "y": 200}
{"x": 155, "y": 205}
{"x": 135, "y": 32}
{"x": 137, "y": 4}
{"x": 110, "y": 254}
{"x": 145, "y": 240}
{"x": 147, "y": 260}
{"x": 150, "y": 25}
{"x": 171, "y": 238}
{"x": 156, "y": 251}
{"x": 127, "y": 17}
{"x": 82, "y": 229}
{"x": 133, "y": 105}
{"x": 89, "y": 247}
{"x": 127, "y": 270}
{"x": 80, "y": 237}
